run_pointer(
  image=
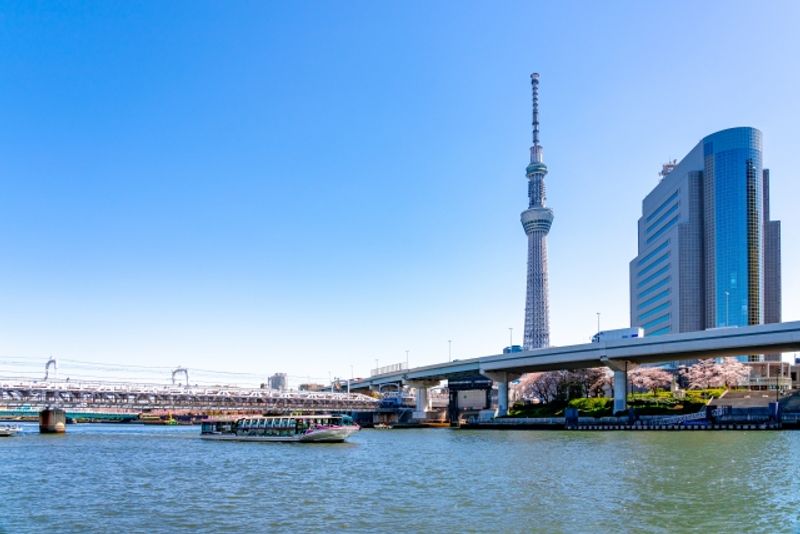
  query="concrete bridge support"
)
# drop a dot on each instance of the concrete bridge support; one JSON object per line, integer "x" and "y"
{"x": 620, "y": 390}
{"x": 620, "y": 369}
{"x": 52, "y": 421}
{"x": 501, "y": 378}
{"x": 423, "y": 404}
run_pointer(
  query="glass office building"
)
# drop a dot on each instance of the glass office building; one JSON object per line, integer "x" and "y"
{"x": 708, "y": 254}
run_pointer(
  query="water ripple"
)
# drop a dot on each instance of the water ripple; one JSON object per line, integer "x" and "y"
{"x": 101, "y": 478}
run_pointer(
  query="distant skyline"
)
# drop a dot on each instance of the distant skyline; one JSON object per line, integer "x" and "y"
{"x": 263, "y": 187}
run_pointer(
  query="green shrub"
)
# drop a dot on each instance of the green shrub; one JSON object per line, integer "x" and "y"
{"x": 643, "y": 403}
{"x": 593, "y": 407}
{"x": 551, "y": 409}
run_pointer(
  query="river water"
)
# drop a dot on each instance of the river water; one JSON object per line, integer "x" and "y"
{"x": 130, "y": 478}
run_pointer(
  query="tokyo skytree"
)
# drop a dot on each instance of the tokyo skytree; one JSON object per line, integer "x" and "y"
{"x": 536, "y": 221}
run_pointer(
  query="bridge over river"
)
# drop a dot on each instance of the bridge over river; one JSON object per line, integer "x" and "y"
{"x": 108, "y": 398}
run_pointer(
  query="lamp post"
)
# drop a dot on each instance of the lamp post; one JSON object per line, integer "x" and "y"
{"x": 449, "y": 351}
{"x": 598, "y": 322}
{"x": 407, "y": 359}
{"x": 510, "y": 338}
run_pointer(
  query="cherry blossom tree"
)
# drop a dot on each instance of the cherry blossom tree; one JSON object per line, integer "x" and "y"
{"x": 734, "y": 373}
{"x": 704, "y": 374}
{"x": 710, "y": 374}
{"x": 547, "y": 387}
{"x": 541, "y": 386}
{"x": 590, "y": 382}
{"x": 650, "y": 378}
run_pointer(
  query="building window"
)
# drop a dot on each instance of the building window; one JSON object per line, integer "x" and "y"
{"x": 655, "y": 251}
{"x": 656, "y": 262}
{"x": 658, "y": 320}
{"x": 665, "y": 330}
{"x": 663, "y": 229}
{"x": 672, "y": 197}
{"x": 652, "y": 288}
{"x": 653, "y": 299}
{"x": 653, "y": 276}
{"x": 657, "y": 309}
{"x": 663, "y": 217}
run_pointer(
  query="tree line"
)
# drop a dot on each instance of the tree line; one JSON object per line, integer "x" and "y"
{"x": 598, "y": 382}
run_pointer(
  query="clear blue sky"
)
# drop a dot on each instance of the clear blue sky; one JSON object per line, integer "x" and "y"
{"x": 303, "y": 187}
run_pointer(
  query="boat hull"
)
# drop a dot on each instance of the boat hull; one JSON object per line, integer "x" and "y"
{"x": 327, "y": 435}
{"x": 8, "y": 431}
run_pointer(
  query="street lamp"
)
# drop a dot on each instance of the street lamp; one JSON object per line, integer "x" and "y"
{"x": 510, "y": 338}
{"x": 407, "y": 358}
{"x": 449, "y": 351}
{"x": 598, "y": 322}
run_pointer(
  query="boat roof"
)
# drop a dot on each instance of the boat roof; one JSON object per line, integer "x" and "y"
{"x": 231, "y": 419}
{"x": 317, "y": 416}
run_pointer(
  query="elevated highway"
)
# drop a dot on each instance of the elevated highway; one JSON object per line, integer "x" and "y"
{"x": 619, "y": 355}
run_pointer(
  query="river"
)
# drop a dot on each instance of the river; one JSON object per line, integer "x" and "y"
{"x": 132, "y": 478}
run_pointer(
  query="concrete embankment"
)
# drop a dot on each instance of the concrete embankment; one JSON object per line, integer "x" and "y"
{"x": 623, "y": 423}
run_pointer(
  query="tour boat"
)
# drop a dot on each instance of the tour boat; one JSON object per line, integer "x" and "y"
{"x": 287, "y": 428}
{"x": 8, "y": 430}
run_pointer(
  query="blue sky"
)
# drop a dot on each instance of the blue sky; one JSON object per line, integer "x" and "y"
{"x": 303, "y": 187}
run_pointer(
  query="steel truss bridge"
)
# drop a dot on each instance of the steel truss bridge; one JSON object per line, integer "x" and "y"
{"x": 144, "y": 397}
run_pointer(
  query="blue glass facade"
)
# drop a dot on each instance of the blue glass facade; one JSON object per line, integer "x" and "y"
{"x": 708, "y": 255}
{"x": 733, "y": 179}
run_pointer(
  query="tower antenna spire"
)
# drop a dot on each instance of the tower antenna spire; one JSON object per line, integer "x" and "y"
{"x": 536, "y": 149}
{"x": 535, "y": 91}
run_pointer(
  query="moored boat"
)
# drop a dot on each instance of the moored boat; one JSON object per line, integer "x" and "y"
{"x": 286, "y": 428}
{"x": 7, "y": 431}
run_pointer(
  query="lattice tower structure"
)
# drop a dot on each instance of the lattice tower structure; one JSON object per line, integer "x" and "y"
{"x": 536, "y": 220}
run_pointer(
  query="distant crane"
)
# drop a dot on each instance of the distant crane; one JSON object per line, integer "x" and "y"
{"x": 180, "y": 370}
{"x": 47, "y": 368}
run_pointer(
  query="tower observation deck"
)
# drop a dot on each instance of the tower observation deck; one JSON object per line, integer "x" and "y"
{"x": 536, "y": 221}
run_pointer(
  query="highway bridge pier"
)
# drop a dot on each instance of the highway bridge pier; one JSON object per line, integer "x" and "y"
{"x": 502, "y": 379}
